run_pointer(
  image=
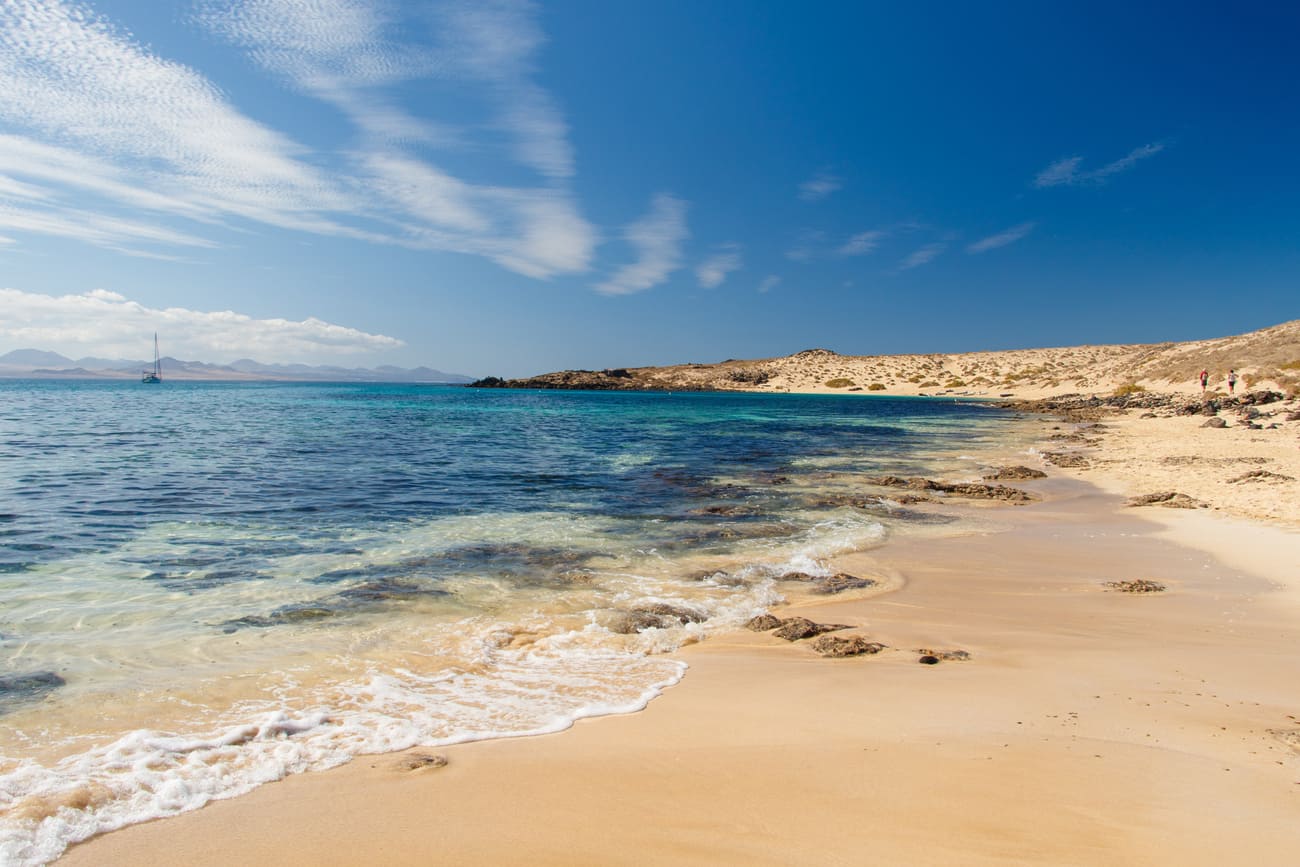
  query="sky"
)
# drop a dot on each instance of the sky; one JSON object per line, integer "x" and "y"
{"x": 509, "y": 188}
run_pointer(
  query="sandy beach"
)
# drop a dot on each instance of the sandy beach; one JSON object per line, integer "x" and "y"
{"x": 1087, "y": 726}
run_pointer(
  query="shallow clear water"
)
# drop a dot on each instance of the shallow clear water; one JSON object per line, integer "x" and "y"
{"x": 207, "y": 586}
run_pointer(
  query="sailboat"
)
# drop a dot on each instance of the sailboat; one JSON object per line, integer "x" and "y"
{"x": 154, "y": 375}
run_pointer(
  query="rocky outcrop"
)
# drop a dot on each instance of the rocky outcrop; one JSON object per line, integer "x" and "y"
{"x": 658, "y": 616}
{"x": 970, "y": 490}
{"x": 1168, "y": 499}
{"x": 795, "y": 628}
{"x": 933, "y": 657}
{"x": 840, "y": 646}
{"x": 763, "y": 623}
{"x": 1260, "y": 476}
{"x": 1139, "y": 585}
{"x": 1214, "y": 422}
{"x": 840, "y": 582}
{"x": 1014, "y": 474}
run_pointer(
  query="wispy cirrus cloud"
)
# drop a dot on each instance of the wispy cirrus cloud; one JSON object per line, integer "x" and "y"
{"x": 862, "y": 243}
{"x": 657, "y": 238}
{"x": 819, "y": 186}
{"x": 1001, "y": 239}
{"x": 714, "y": 270}
{"x": 1066, "y": 171}
{"x": 922, "y": 256}
{"x": 99, "y": 124}
{"x": 108, "y": 324}
{"x": 769, "y": 283}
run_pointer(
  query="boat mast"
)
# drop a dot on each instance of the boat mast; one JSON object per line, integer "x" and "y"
{"x": 157, "y": 362}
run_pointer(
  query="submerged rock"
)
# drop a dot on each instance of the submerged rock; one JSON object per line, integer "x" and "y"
{"x": 20, "y": 689}
{"x": 970, "y": 490}
{"x": 837, "y": 646}
{"x": 419, "y": 761}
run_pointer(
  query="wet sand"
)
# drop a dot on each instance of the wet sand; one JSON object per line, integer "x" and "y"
{"x": 1089, "y": 727}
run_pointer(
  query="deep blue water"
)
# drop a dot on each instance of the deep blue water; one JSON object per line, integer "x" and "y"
{"x": 85, "y": 465}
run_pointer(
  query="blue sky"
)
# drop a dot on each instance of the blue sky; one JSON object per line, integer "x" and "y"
{"x": 509, "y": 188}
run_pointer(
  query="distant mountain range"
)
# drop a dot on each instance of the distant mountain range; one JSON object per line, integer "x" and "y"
{"x": 40, "y": 364}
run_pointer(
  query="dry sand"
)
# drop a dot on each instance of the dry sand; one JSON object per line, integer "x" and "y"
{"x": 1089, "y": 726}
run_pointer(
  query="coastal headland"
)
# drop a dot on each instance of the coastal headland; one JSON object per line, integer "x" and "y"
{"x": 1103, "y": 675}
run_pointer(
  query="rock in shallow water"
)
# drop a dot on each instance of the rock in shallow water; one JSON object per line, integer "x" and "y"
{"x": 838, "y": 646}
{"x": 796, "y": 628}
{"x": 19, "y": 689}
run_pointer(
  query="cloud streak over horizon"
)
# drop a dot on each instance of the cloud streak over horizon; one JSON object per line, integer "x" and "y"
{"x": 108, "y": 324}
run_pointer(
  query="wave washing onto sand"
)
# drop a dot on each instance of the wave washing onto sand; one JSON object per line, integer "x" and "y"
{"x": 503, "y": 674}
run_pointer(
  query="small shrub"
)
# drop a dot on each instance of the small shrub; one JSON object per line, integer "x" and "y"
{"x": 1128, "y": 388}
{"x": 915, "y": 378}
{"x": 876, "y": 386}
{"x": 955, "y": 383}
{"x": 930, "y": 384}
{"x": 839, "y": 382}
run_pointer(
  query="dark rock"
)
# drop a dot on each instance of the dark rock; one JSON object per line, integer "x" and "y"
{"x": 1168, "y": 499}
{"x": 20, "y": 689}
{"x": 1009, "y": 474}
{"x": 840, "y": 582}
{"x": 658, "y": 616}
{"x": 797, "y": 576}
{"x": 763, "y": 623}
{"x": 929, "y": 659}
{"x": 839, "y": 646}
{"x": 1139, "y": 585}
{"x": 795, "y": 628}
{"x": 1214, "y": 422}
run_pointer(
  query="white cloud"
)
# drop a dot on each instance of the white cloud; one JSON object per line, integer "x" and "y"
{"x": 769, "y": 283}
{"x": 107, "y": 324}
{"x": 1065, "y": 172}
{"x": 657, "y": 238}
{"x": 714, "y": 270}
{"x": 922, "y": 256}
{"x": 1001, "y": 239}
{"x": 819, "y": 186}
{"x": 98, "y": 120}
{"x": 862, "y": 243}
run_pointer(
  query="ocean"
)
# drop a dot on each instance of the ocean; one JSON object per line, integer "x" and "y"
{"x": 209, "y": 586}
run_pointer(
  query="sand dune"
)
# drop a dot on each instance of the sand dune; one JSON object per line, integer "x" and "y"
{"x": 1269, "y": 358}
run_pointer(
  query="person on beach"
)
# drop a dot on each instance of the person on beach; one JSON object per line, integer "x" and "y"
{"x": 1232, "y": 382}
{"x": 1205, "y": 379}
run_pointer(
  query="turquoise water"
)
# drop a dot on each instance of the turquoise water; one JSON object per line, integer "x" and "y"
{"x": 208, "y": 586}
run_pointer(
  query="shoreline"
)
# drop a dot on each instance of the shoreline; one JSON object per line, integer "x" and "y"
{"x": 1089, "y": 726}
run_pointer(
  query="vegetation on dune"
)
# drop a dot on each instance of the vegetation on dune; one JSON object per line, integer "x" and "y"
{"x": 839, "y": 382}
